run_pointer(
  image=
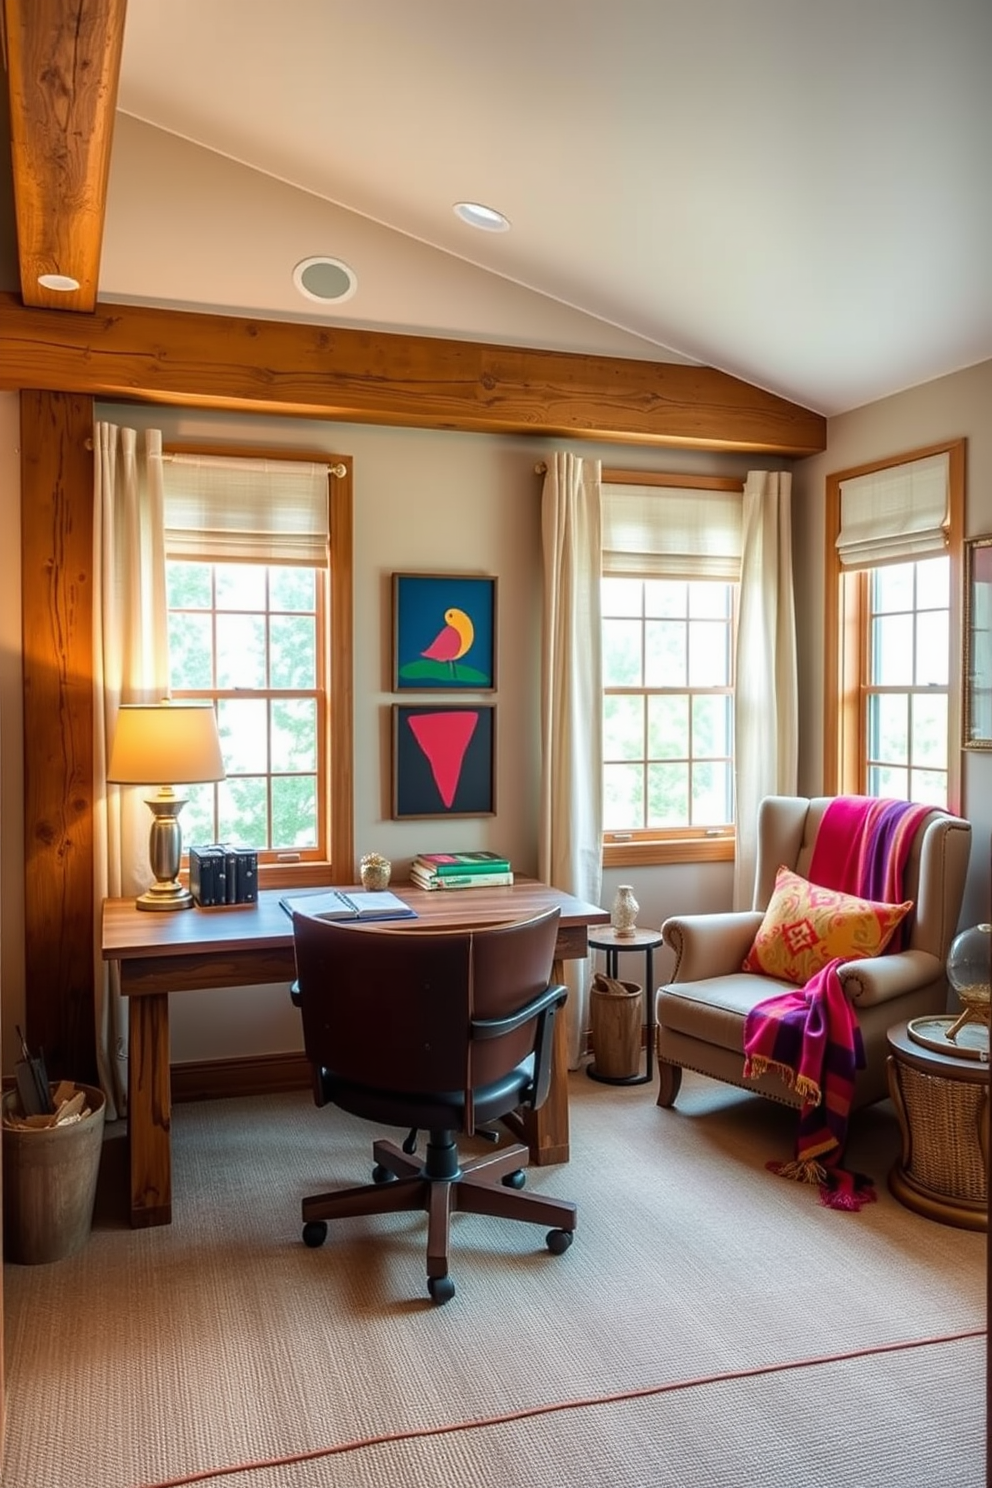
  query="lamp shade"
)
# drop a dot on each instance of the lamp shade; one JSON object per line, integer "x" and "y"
{"x": 158, "y": 743}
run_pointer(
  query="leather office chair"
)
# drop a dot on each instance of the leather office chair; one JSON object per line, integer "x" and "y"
{"x": 701, "y": 1012}
{"x": 442, "y": 1031}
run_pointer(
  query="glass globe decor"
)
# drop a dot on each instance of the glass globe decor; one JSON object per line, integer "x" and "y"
{"x": 969, "y": 971}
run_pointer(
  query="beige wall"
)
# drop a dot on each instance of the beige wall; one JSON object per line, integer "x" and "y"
{"x": 428, "y": 500}
{"x": 954, "y": 407}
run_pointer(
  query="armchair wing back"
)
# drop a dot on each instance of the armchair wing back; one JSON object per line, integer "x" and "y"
{"x": 701, "y": 1011}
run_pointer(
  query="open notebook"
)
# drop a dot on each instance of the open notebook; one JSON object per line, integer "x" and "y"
{"x": 336, "y": 904}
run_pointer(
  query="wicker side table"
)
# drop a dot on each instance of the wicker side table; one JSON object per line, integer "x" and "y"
{"x": 941, "y": 1102}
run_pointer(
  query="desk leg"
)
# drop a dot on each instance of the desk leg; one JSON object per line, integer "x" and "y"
{"x": 546, "y": 1130}
{"x": 149, "y": 1111}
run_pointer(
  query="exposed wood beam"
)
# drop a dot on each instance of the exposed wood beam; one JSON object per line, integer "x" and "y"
{"x": 57, "y": 610}
{"x": 63, "y": 62}
{"x": 322, "y": 372}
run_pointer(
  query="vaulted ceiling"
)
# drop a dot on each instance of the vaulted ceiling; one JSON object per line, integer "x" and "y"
{"x": 794, "y": 194}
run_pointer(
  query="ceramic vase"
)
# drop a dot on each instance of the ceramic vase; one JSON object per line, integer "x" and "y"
{"x": 623, "y": 916}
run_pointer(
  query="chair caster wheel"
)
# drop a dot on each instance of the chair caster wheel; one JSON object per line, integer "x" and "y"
{"x": 314, "y": 1233}
{"x": 516, "y": 1179}
{"x": 441, "y": 1288}
{"x": 558, "y": 1241}
{"x": 382, "y": 1175}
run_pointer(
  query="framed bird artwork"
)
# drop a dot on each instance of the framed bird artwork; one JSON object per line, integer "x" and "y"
{"x": 444, "y": 633}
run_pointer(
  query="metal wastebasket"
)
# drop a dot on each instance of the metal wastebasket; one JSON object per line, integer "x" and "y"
{"x": 49, "y": 1183}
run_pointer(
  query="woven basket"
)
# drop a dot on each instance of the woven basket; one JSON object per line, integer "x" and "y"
{"x": 945, "y": 1117}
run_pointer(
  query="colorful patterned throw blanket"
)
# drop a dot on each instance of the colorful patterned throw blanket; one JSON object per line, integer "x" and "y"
{"x": 810, "y": 1035}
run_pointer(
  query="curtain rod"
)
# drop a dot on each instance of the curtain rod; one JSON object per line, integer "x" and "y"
{"x": 339, "y": 470}
{"x": 168, "y": 457}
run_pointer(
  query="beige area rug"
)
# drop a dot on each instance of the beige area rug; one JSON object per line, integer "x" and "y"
{"x": 659, "y": 1350}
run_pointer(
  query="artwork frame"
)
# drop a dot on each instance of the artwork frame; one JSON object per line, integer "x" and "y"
{"x": 434, "y": 616}
{"x": 976, "y": 724}
{"x": 444, "y": 760}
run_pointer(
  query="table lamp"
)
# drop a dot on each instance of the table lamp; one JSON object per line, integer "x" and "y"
{"x": 165, "y": 741}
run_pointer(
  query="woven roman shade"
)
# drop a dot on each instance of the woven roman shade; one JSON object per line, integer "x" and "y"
{"x": 672, "y": 532}
{"x": 251, "y": 510}
{"x": 896, "y": 515}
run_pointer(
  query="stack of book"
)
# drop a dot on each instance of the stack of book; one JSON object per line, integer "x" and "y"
{"x": 460, "y": 870}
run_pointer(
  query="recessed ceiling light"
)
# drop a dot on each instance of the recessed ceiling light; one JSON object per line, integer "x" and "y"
{"x": 476, "y": 215}
{"x": 65, "y": 282}
{"x": 324, "y": 279}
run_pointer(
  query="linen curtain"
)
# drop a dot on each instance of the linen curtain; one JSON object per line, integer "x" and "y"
{"x": 130, "y": 665}
{"x": 571, "y": 810}
{"x": 766, "y": 688}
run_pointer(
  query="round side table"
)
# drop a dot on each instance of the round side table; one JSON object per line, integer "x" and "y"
{"x": 605, "y": 938}
{"x": 941, "y": 1101}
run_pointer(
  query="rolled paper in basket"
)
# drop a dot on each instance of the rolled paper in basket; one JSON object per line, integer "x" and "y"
{"x": 611, "y": 987}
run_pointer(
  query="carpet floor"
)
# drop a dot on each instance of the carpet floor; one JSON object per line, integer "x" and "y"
{"x": 711, "y": 1325}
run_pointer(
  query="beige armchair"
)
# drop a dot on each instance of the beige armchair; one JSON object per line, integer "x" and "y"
{"x": 701, "y": 1012}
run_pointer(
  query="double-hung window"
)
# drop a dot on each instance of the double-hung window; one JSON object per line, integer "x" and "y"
{"x": 893, "y": 627}
{"x": 249, "y": 576}
{"x": 671, "y": 569}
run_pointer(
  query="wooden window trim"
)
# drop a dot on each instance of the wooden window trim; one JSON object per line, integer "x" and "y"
{"x": 844, "y": 641}
{"x": 649, "y": 848}
{"x": 337, "y": 724}
{"x": 647, "y": 851}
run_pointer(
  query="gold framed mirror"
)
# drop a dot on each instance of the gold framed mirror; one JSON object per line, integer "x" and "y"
{"x": 976, "y": 732}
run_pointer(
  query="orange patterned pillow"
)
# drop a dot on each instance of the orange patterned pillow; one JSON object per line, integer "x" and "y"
{"x": 805, "y": 927}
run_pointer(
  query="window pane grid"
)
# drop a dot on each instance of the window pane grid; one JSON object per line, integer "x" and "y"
{"x": 249, "y": 638}
{"x": 906, "y": 695}
{"x": 668, "y": 762}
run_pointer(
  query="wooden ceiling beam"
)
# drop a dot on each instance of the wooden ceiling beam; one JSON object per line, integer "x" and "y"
{"x": 63, "y": 62}
{"x": 323, "y": 372}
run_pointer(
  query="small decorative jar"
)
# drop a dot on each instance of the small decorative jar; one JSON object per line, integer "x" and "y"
{"x": 623, "y": 916}
{"x": 375, "y": 871}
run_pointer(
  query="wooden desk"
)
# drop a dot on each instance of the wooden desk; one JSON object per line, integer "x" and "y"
{"x": 249, "y": 945}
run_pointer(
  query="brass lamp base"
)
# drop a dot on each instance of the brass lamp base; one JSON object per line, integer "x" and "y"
{"x": 165, "y": 854}
{"x": 165, "y": 896}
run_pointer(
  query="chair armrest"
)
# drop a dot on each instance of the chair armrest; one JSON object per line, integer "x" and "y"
{"x": 487, "y": 1028}
{"x": 880, "y": 978}
{"x": 544, "y": 1008}
{"x": 710, "y": 945}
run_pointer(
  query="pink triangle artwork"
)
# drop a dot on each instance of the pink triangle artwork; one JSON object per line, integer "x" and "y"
{"x": 443, "y": 739}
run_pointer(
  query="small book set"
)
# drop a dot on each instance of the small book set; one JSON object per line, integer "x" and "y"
{"x": 220, "y": 873}
{"x": 460, "y": 870}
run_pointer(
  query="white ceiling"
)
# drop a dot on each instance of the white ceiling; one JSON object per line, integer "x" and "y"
{"x": 798, "y": 192}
